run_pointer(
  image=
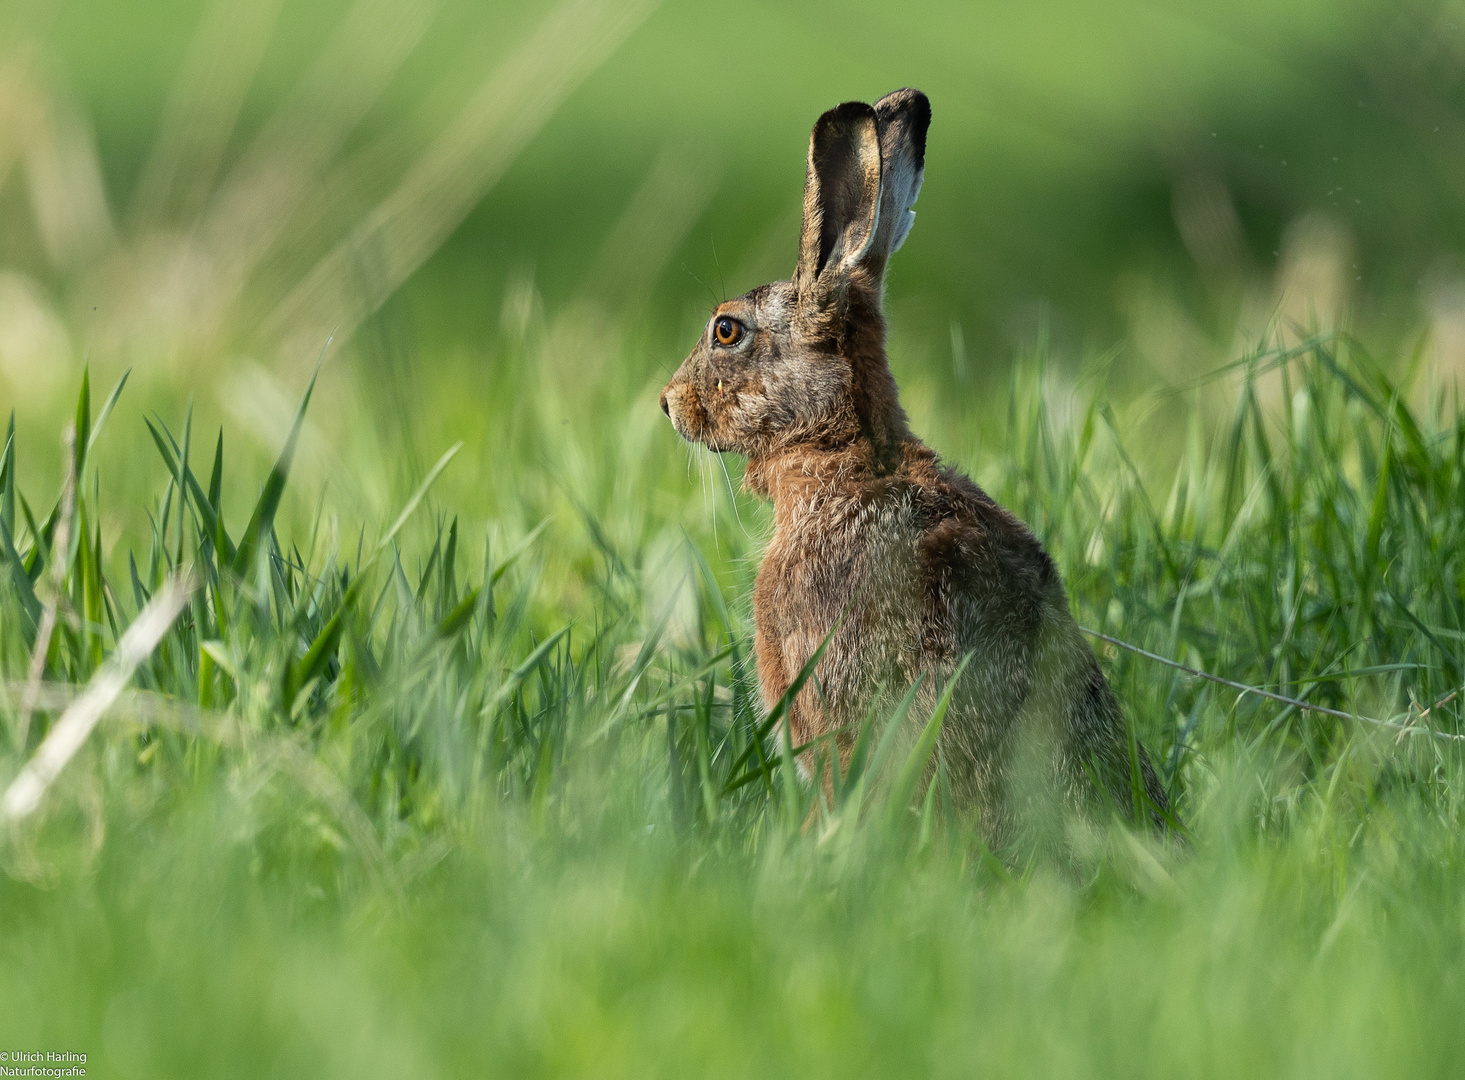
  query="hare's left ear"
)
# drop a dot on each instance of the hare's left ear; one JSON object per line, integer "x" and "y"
{"x": 841, "y": 202}
{"x": 902, "y": 119}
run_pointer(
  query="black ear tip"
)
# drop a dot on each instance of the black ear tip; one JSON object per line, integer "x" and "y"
{"x": 852, "y": 123}
{"x": 910, "y": 109}
{"x": 850, "y": 112}
{"x": 910, "y": 104}
{"x": 909, "y": 99}
{"x": 921, "y": 109}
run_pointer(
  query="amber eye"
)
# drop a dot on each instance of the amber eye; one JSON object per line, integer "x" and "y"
{"x": 727, "y": 331}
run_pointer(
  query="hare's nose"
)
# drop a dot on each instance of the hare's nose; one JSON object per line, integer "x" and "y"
{"x": 664, "y": 406}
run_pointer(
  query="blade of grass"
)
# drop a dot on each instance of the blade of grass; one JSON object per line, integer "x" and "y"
{"x": 263, "y": 518}
{"x": 202, "y": 504}
{"x": 71, "y": 731}
{"x": 106, "y": 411}
{"x": 915, "y": 763}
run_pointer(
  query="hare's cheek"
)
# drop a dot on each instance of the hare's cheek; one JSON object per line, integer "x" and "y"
{"x": 739, "y": 399}
{"x": 720, "y": 402}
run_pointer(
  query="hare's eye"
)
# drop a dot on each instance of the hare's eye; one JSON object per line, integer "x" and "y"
{"x": 727, "y": 331}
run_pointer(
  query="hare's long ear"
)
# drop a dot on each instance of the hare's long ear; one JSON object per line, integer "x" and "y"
{"x": 841, "y": 202}
{"x": 902, "y": 118}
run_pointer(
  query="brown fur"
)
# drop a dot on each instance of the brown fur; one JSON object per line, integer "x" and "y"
{"x": 870, "y": 527}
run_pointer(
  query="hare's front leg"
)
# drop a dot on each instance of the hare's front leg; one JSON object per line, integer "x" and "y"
{"x": 779, "y": 663}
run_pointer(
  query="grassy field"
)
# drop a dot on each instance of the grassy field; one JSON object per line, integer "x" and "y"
{"x": 451, "y": 764}
{"x": 437, "y": 798}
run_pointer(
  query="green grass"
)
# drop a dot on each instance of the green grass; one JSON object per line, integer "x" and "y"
{"x": 453, "y": 765}
{"x": 474, "y": 782}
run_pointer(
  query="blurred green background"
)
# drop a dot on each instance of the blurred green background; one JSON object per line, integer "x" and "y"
{"x": 182, "y": 182}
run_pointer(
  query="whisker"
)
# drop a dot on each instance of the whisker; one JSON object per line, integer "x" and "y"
{"x": 718, "y": 263}
{"x": 709, "y": 488}
{"x": 737, "y": 513}
{"x": 711, "y": 292}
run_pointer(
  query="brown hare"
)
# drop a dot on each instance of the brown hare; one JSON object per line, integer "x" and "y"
{"x": 916, "y": 565}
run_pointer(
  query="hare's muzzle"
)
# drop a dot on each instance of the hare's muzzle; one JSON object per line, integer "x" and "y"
{"x": 674, "y": 407}
{"x": 683, "y": 408}
{"x": 674, "y": 404}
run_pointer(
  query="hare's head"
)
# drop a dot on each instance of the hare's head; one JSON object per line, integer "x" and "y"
{"x": 803, "y": 362}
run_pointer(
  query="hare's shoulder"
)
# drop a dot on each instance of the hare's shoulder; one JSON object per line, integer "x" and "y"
{"x": 980, "y": 562}
{"x": 961, "y": 525}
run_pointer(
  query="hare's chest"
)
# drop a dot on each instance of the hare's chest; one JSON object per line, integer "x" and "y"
{"x": 857, "y": 570}
{"x": 820, "y": 562}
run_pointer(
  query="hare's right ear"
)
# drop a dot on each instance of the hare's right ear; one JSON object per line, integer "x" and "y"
{"x": 841, "y": 202}
{"x": 903, "y": 118}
